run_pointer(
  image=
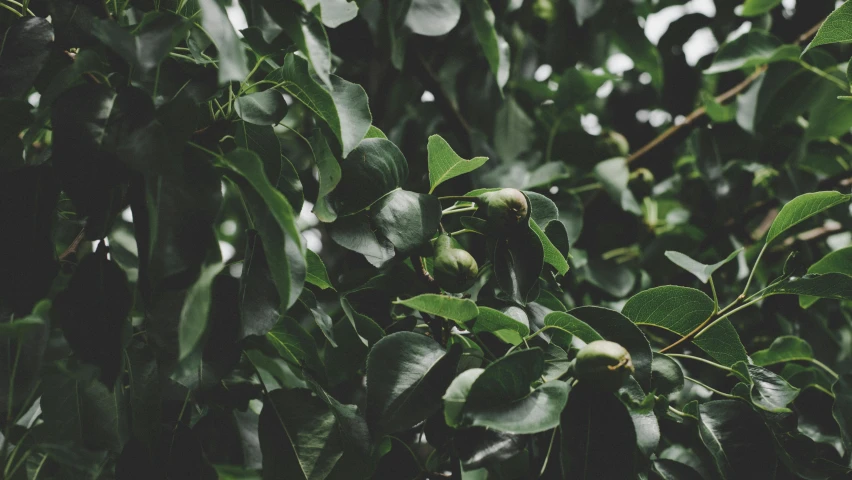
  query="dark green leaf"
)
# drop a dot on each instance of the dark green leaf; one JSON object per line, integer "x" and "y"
{"x": 307, "y": 32}
{"x": 518, "y": 260}
{"x": 374, "y": 169}
{"x": 296, "y": 346}
{"x": 495, "y": 47}
{"x": 406, "y": 375}
{"x": 93, "y": 313}
{"x": 25, "y": 50}
{"x": 262, "y": 108}
{"x": 738, "y": 440}
{"x": 317, "y": 274}
{"x": 232, "y": 57}
{"x": 835, "y": 28}
{"x": 281, "y": 173}
{"x": 666, "y": 376}
{"x": 838, "y": 261}
{"x": 298, "y": 436}
{"x": 275, "y": 221}
{"x": 342, "y": 105}
{"x": 750, "y": 50}
{"x": 769, "y": 391}
{"x": 827, "y": 285}
{"x": 842, "y": 390}
{"x": 407, "y": 219}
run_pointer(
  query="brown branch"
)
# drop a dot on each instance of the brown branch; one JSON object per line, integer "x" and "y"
{"x": 724, "y": 97}
{"x": 73, "y": 247}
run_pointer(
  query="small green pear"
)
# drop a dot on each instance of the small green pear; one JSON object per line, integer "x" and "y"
{"x": 455, "y": 269}
{"x": 506, "y": 209}
{"x": 603, "y": 365}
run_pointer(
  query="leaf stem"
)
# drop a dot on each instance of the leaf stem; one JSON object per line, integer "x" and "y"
{"x": 699, "y": 359}
{"x": 708, "y": 387}
{"x": 822, "y": 73}
{"x": 462, "y": 198}
{"x": 451, "y": 210}
{"x": 549, "y": 449}
{"x": 824, "y": 367}
{"x": 586, "y": 188}
{"x": 715, "y": 297}
{"x": 753, "y": 269}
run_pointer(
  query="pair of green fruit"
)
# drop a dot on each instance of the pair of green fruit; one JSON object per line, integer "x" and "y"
{"x": 455, "y": 269}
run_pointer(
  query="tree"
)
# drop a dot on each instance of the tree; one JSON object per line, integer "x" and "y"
{"x": 335, "y": 239}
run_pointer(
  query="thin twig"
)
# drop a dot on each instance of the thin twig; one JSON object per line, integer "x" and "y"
{"x": 724, "y": 97}
{"x": 74, "y": 245}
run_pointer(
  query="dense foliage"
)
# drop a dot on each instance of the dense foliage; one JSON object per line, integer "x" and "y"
{"x": 399, "y": 239}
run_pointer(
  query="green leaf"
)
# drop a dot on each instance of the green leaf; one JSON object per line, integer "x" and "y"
{"x": 750, "y": 50}
{"x": 578, "y": 86}
{"x": 408, "y": 219}
{"x": 407, "y": 374}
{"x": 280, "y": 171}
{"x": 514, "y": 131}
{"x": 838, "y": 261}
{"x": 836, "y": 28}
{"x": 768, "y": 391}
{"x": 673, "y": 470}
{"x": 260, "y": 306}
{"x": 507, "y": 380}
{"x": 195, "y": 314}
{"x": 502, "y": 326}
{"x": 296, "y": 346}
{"x": 802, "y": 208}
{"x": 298, "y": 436}
{"x": 666, "y": 375}
{"x": 783, "y": 349}
{"x": 432, "y": 18}
{"x": 93, "y": 313}
{"x": 445, "y": 164}
{"x": 518, "y": 260}
{"x": 355, "y": 233}
{"x": 598, "y": 436}
{"x": 26, "y": 48}
{"x": 753, "y": 8}
{"x": 457, "y": 309}
{"x": 681, "y": 310}
{"x": 495, "y": 46}
{"x": 262, "y": 108}
{"x": 328, "y": 176}
{"x": 274, "y": 219}
{"x": 337, "y": 12}
{"x": 355, "y": 335}
{"x": 374, "y": 169}
{"x": 539, "y": 411}
{"x": 307, "y": 32}
{"x": 19, "y": 327}
{"x": 615, "y": 175}
{"x": 738, "y": 440}
{"x": 700, "y": 270}
{"x": 343, "y": 106}
{"x": 317, "y": 274}
{"x": 232, "y": 57}
{"x": 149, "y": 42}
{"x": 552, "y": 255}
{"x": 842, "y": 390}
{"x": 84, "y": 412}
{"x": 456, "y": 396}
{"x": 716, "y": 111}
{"x": 322, "y": 320}
{"x": 827, "y": 285}
{"x": 572, "y": 325}
{"x": 618, "y": 328}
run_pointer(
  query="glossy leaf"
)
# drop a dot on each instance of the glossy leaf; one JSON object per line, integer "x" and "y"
{"x": 499, "y": 324}
{"x": 407, "y": 219}
{"x": 784, "y": 349}
{"x": 750, "y": 50}
{"x": 769, "y": 390}
{"x": 374, "y": 169}
{"x": 842, "y": 390}
{"x": 296, "y": 346}
{"x": 341, "y": 105}
{"x": 827, "y": 285}
{"x": 232, "y": 57}
{"x": 407, "y": 374}
{"x": 25, "y": 51}
{"x": 666, "y": 375}
{"x": 307, "y": 32}
{"x": 262, "y": 108}
{"x": 298, "y": 436}
{"x": 738, "y": 439}
{"x": 274, "y": 219}
{"x": 195, "y": 314}
{"x": 280, "y": 171}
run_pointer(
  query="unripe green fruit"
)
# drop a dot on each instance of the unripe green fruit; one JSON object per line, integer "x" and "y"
{"x": 455, "y": 269}
{"x": 613, "y": 144}
{"x": 505, "y": 209}
{"x": 603, "y": 365}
